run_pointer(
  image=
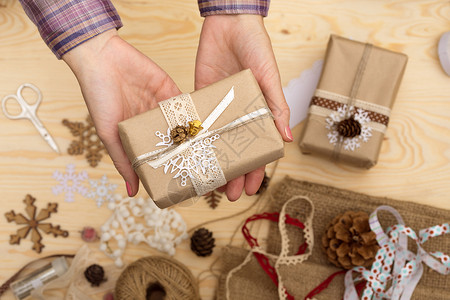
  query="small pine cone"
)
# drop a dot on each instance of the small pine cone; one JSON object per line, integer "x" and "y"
{"x": 349, "y": 242}
{"x": 95, "y": 274}
{"x": 179, "y": 134}
{"x": 264, "y": 184}
{"x": 349, "y": 128}
{"x": 202, "y": 242}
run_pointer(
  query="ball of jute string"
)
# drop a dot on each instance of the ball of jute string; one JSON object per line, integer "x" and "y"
{"x": 164, "y": 272}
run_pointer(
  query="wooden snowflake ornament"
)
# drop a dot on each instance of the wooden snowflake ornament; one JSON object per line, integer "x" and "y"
{"x": 87, "y": 141}
{"x": 33, "y": 224}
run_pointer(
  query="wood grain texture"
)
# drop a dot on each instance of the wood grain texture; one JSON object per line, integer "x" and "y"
{"x": 414, "y": 163}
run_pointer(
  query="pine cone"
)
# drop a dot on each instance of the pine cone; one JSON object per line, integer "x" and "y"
{"x": 264, "y": 184}
{"x": 202, "y": 242}
{"x": 95, "y": 274}
{"x": 349, "y": 128}
{"x": 349, "y": 242}
{"x": 179, "y": 134}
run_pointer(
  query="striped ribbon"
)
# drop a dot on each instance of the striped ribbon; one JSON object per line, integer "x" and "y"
{"x": 396, "y": 271}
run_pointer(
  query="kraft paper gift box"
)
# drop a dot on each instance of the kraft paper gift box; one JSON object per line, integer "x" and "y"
{"x": 350, "y": 109}
{"x": 237, "y": 151}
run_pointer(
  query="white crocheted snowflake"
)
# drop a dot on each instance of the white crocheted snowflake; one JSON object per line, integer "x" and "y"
{"x": 343, "y": 113}
{"x": 140, "y": 221}
{"x": 198, "y": 158}
{"x": 101, "y": 190}
{"x": 70, "y": 183}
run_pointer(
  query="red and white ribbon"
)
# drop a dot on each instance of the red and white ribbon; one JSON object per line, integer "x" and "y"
{"x": 396, "y": 270}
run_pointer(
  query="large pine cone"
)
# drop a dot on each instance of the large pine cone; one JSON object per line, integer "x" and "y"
{"x": 349, "y": 242}
{"x": 202, "y": 242}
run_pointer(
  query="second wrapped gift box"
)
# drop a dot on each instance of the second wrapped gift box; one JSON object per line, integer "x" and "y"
{"x": 351, "y": 107}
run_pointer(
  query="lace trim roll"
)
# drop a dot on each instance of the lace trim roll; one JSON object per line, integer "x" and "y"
{"x": 284, "y": 258}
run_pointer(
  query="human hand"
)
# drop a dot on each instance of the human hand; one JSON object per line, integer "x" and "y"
{"x": 117, "y": 82}
{"x": 232, "y": 43}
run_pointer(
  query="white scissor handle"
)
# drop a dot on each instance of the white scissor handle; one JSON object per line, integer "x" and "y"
{"x": 28, "y": 110}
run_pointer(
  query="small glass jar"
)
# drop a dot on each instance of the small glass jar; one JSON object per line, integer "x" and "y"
{"x": 22, "y": 288}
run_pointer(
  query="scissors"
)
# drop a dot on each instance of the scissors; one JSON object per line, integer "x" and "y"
{"x": 29, "y": 112}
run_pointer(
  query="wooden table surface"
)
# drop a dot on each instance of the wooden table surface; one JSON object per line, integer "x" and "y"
{"x": 414, "y": 160}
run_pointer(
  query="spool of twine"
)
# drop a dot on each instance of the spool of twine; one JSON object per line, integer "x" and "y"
{"x": 156, "y": 278}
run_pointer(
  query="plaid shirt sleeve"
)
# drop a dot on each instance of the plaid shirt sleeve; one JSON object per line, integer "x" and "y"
{"x": 233, "y": 7}
{"x": 65, "y": 24}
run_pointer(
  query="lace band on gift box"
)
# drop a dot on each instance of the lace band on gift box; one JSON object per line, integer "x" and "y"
{"x": 195, "y": 158}
{"x": 334, "y": 108}
{"x": 323, "y": 101}
{"x": 198, "y": 161}
{"x": 396, "y": 271}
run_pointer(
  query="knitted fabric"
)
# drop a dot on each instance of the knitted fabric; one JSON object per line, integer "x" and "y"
{"x": 329, "y": 202}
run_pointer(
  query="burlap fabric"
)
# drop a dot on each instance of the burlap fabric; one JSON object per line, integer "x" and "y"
{"x": 252, "y": 283}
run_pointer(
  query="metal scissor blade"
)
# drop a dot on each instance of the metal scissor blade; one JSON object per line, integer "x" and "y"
{"x": 46, "y": 135}
{"x": 52, "y": 143}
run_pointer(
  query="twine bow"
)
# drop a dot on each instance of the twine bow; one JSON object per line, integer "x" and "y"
{"x": 396, "y": 270}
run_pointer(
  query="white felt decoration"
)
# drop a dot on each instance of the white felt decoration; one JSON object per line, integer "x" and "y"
{"x": 101, "y": 190}
{"x": 70, "y": 183}
{"x": 140, "y": 221}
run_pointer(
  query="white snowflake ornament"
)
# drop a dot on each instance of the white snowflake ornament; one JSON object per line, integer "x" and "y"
{"x": 198, "y": 158}
{"x": 70, "y": 183}
{"x": 101, "y": 190}
{"x": 166, "y": 139}
{"x": 140, "y": 221}
{"x": 349, "y": 143}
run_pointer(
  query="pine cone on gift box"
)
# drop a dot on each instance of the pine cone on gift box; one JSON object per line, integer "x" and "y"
{"x": 202, "y": 242}
{"x": 349, "y": 242}
{"x": 349, "y": 128}
{"x": 179, "y": 134}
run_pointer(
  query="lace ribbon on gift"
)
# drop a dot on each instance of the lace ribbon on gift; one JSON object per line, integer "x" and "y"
{"x": 324, "y": 103}
{"x": 206, "y": 173}
{"x": 396, "y": 270}
{"x": 283, "y": 258}
{"x": 195, "y": 158}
